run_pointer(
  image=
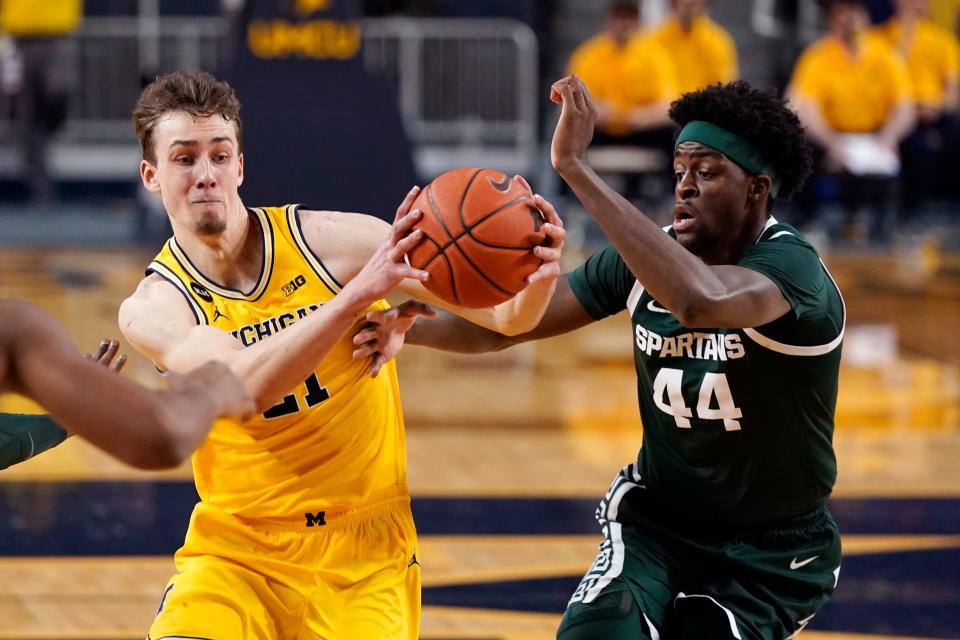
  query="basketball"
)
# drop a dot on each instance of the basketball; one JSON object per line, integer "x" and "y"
{"x": 479, "y": 228}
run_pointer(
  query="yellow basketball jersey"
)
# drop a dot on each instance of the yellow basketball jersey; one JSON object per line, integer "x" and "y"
{"x": 338, "y": 438}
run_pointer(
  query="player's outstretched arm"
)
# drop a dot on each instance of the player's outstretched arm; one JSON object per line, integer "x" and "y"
{"x": 144, "y": 428}
{"x": 385, "y": 332}
{"x": 698, "y": 295}
{"x": 158, "y": 323}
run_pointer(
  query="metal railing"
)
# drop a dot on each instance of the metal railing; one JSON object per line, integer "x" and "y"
{"x": 464, "y": 86}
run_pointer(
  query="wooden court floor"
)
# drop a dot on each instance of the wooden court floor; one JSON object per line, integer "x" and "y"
{"x": 508, "y": 454}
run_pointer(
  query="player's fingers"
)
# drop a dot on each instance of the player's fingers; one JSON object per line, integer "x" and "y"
{"x": 405, "y": 245}
{"x": 402, "y": 227}
{"x": 100, "y": 351}
{"x": 376, "y": 317}
{"x": 546, "y": 271}
{"x": 548, "y": 210}
{"x": 404, "y": 270}
{"x": 407, "y": 202}
{"x": 569, "y": 101}
{"x": 585, "y": 92}
{"x": 364, "y": 336}
{"x": 378, "y": 363}
{"x": 364, "y": 351}
{"x": 576, "y": 90}
{"x": 523, "y": 182}
{"x": 417, "y": 308}
{"x": 110, "y": 352}
{"x": 547, "y": 254}
{"x": 555, "y": 235}
{"x": 118, "y": 363}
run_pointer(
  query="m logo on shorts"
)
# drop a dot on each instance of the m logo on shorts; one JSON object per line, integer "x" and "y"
{"x": 317, "y": 519}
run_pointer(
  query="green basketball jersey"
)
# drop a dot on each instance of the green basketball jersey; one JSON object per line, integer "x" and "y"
{"x": 738, "y": 423}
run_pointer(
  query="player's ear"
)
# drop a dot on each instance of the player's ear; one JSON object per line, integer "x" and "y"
{"x": 240, "y": 171}
{"x": 148, "y": 174}
{"x": 760, "y": 188}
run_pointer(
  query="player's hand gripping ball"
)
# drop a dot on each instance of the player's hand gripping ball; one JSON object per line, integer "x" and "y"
{"x": 480, "y": 227}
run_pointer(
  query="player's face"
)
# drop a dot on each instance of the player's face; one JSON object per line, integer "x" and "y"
{"x": 711, "y": 208}
{"x": 198, "y": 172}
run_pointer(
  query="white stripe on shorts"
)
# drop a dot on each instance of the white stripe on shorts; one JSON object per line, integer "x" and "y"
{"x": 730, "y": 618}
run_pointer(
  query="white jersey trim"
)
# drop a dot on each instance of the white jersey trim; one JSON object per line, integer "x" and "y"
{"x": 634, "y": 298}
{"x": 266, "y": 269}
{"x": 164, "y": 272}
{"x": 730, "y": 618}
{"x": 794, "y": 350}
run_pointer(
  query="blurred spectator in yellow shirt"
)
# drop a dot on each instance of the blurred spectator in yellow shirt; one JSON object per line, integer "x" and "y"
{"x": 930, "y": 153}
{"x": 40, "y": 32}
{"x": 630, "y": 77}
{"x": 702, "y": 51}
{"x": 632, "y": 82}
{"x": 946, "y": 13}
{"x": 850, "y": 82}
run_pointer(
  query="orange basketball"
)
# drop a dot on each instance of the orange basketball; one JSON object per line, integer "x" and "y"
{"x": 479, "y": 229}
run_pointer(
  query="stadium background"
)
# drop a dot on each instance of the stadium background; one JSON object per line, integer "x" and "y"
{"x": 508, "y": 453}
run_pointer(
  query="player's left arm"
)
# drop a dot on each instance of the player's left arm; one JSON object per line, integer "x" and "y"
{"x": 346, "y": 240}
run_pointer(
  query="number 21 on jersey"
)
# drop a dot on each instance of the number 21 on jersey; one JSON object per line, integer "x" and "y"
{"x": 714, "y": 392}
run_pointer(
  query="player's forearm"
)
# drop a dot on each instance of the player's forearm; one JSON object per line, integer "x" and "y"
{"x": 449, "y": 332}
{"x": 673, "y": 275}
{"x": 519, "y": 314}
{"x": 273, "y": 366}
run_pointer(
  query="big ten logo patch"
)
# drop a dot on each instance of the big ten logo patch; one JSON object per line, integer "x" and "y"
{"x": 293, "y": 285}
{"x": 201, "y": 292}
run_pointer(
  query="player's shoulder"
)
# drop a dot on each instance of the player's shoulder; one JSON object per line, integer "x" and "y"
{"x": 343, "y": 240}
{"x": 341, "y": 229}
{"x": 154, "y": 300}
{"x": 780, "y": 233}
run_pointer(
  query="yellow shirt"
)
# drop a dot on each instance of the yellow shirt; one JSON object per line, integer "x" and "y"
{"x": 336, "y": 439}
{"x": 945, "y": 13}
{"x": 32, "y": 18}
{"x": 933, "y": 58}
{"x": 636, "y": 75}
{"x": 855, "y": 95}
{"x": 704, "y": 56}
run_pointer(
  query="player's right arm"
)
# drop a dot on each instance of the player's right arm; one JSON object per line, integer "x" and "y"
{"x": 144, "y": 428}
{"x": 448, "y": 332}
{"x": 158, "y": 323}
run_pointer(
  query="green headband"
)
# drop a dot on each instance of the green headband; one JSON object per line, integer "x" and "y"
{"x": 731, "y": 145}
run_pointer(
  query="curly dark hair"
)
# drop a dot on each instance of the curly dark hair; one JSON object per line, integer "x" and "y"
{"x": 761, "y": 118}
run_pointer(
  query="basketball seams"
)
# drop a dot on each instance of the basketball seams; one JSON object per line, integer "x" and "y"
{"x": 465, "y": 263}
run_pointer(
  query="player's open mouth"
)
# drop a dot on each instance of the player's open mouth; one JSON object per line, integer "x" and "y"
{"x": 682, "y": 218}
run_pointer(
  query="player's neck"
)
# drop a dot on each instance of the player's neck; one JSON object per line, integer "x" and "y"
{"x": 733, "y": 247}
{"x": 232, "y": 258}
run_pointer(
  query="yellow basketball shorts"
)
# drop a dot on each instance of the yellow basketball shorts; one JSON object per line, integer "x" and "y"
{"x": 357, "y": 576}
